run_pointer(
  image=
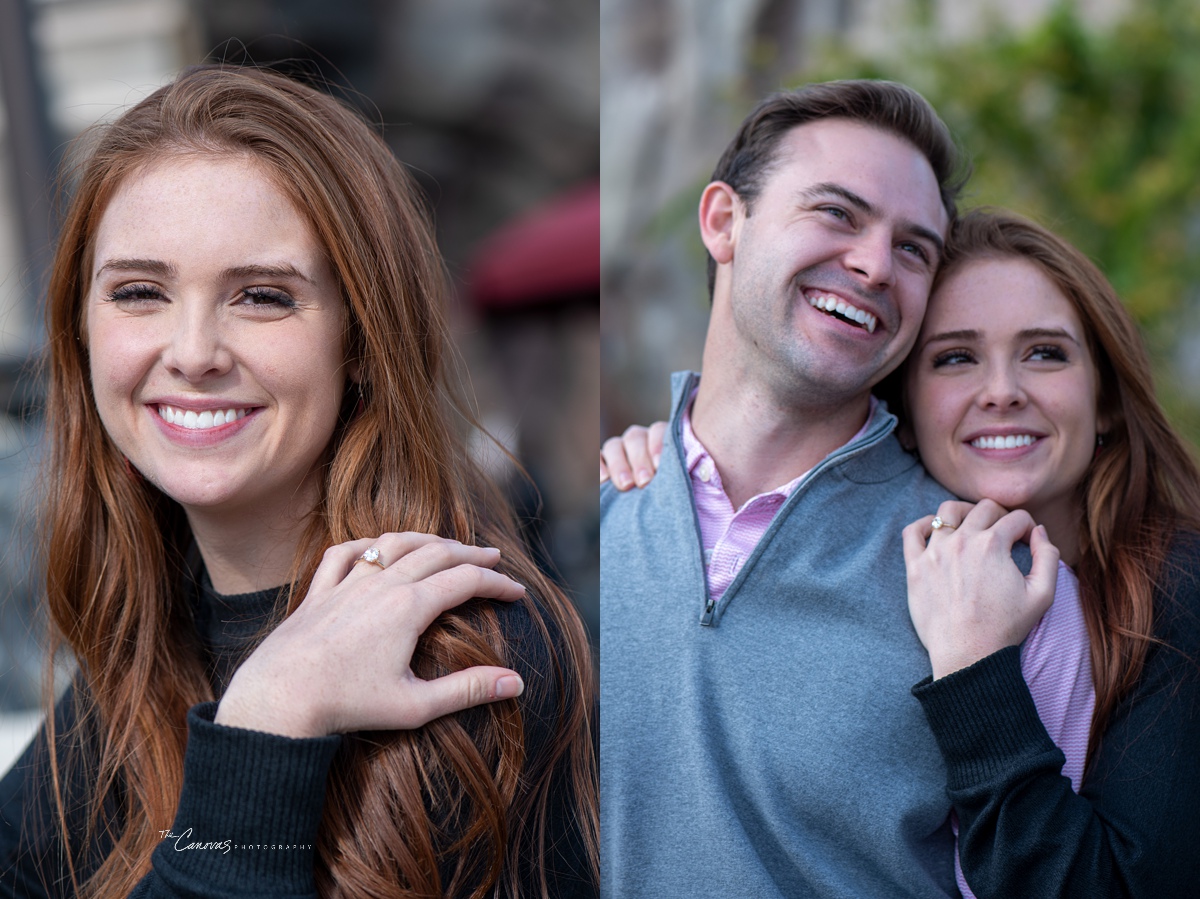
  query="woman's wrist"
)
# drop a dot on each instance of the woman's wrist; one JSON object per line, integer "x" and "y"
{"x": 252, "y": 709}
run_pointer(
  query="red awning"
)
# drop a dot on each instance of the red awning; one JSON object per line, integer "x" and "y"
{"x": 549, "y": 254}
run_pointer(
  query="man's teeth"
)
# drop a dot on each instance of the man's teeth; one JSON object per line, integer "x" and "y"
{"x": 199, "y": 421}
{"x": 1012, "y": 441}
{"x": 829, "y": 303}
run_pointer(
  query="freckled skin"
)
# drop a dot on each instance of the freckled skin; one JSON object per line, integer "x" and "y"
{"x": 210, "y": 286}
{"x": 1025, "y": 368}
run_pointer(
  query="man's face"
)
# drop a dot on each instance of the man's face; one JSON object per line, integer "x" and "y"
{"x": 828, "y": 276}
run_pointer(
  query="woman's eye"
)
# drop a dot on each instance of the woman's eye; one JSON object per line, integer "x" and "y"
{"x": 1048, "y": 354}
{"x": 952, "y": 357}
{"x": 135, "y": 292}
{"x": 267, "y": 296}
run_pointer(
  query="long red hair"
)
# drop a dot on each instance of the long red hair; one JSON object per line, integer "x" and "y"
{"x": 464, "y": 796}
{"x": 1143, "y": 487}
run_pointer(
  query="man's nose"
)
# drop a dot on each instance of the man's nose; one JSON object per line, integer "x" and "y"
{"x": 872, "y": 258}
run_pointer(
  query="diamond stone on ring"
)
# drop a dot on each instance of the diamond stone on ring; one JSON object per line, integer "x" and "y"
{"x": 372, "y": 556}
{"x": 938, "y": 523}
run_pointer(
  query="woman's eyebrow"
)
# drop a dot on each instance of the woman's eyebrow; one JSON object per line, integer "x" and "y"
{"x": 971, "y": 334}
{"x": 166, "y": 270}
{"x": 150, "y": 266}
{"x": 284, "y": 270}
{"x": 963, "y": 334}
{"x": 1030, "y": 333}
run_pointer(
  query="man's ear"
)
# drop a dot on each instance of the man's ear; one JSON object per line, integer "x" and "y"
{"x": 720, "y": 211}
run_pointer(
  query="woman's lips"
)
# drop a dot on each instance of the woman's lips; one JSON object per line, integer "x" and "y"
{"x": 202, "y": 420}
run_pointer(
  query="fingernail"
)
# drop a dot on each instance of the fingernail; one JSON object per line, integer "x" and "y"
{"x": 624, "y": 481}
{"x": 657, "y": 459}
{"x": 509, "y": 687}
{"x": 643, "y": 477}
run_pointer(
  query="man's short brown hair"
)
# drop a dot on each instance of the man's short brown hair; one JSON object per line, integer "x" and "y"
{"x": 887, "y": 105}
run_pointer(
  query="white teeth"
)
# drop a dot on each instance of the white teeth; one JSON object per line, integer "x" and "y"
{"x": 199, "y": 421}
{"x": 1011, "y": 441}
{"x": 830, "y": 303}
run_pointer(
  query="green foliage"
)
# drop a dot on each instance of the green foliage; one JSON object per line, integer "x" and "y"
{"x": 1094, "y": 132}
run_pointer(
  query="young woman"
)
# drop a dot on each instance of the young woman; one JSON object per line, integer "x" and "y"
{"x": 301, "y": 616}
{"x": 1029, "y": 389}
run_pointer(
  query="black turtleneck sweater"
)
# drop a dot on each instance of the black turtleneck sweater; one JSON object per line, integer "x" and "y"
{"x": 251, "y": 802}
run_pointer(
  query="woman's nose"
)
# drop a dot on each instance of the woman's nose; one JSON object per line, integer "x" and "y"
{"x": 194, "y": 347}
{"x": 1002, "y": 388}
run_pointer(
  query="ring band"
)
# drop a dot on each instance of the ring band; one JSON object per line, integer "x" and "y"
{"x": 938, "y": 523}
{"x": 371, "y": 556}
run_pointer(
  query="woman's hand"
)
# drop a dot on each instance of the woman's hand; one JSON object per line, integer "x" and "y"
{"x": 633, "y": 457}
{"x": 966, "y": 596}
{"x": 340, "y": 662}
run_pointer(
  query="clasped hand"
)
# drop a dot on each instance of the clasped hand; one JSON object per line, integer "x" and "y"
{"x": 341, "y": 661}
{"x": 966, "y": 596}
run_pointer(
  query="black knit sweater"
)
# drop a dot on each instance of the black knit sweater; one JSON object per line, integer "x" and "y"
{"x": 1134, "y": 828}
{"x": 251, "y": 802}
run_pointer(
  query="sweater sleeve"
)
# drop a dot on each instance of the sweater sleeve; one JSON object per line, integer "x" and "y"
{"x": 248, "y": 815}
{"x": 1133, "y": 828}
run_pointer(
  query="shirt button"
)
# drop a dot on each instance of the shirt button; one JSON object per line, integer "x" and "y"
{"x": 706, "y": 470}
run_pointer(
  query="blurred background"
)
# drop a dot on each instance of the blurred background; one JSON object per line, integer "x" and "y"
{"x": 1084, "y": 115}
{"x": 494, "y": 106}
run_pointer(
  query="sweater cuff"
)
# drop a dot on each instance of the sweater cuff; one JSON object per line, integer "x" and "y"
{"x": 248, "y": 812}
{"x": 983, "y": 717}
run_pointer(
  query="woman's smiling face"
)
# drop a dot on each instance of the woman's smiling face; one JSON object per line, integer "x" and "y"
{"x": 1002, "y": 389}
{"x": 214, "y": 330}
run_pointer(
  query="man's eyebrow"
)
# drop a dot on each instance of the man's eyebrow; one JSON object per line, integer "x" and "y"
{"x": 826, "y": 188}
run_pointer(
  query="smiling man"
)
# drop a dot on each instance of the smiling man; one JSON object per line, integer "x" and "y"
{"x": 758, "y": 737}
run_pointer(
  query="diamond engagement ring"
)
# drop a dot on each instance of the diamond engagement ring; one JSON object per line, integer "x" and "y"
{"x": 938, "y": 523}
{"x": 371, "y": 556}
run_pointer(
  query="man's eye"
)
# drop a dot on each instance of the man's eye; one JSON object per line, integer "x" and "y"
{"x": 836, "y": 211}
{"x": 915, "y": 249}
